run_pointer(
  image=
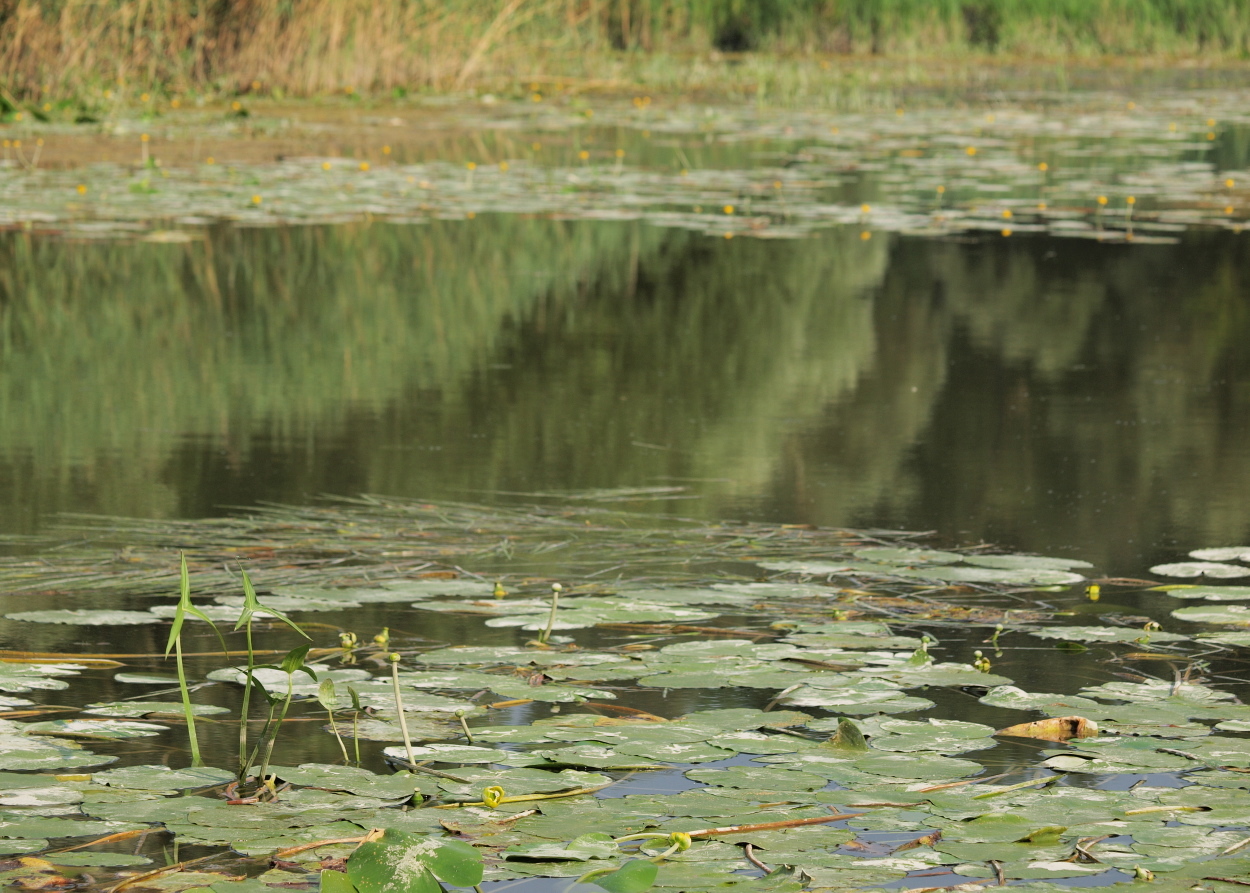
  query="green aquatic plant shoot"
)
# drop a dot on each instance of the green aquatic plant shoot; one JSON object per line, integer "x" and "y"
{"x": 291, "y": 664}
{"x": 551, "y": 618}
{"x": 328, "y": 698}
{"x": 175, "y": 644}
{"x": 250, "y": 606}
{"x": 399, "y": 707}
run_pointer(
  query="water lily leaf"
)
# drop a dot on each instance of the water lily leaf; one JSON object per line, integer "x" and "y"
{"x": 853, "y": 635}
{"x": 1200, "y": 569}
{"x": 1059, "y": 728}
{"x": 352, "y": 780}
{"x": 85, "y": 617}
{"x": 35, "y": 677}
{"x": 162, "y": 778}
{"x": 421, "y": 727}
{"x": 1025, "y": 562}
{"x": 635, "y": 876}
{"x": 1236, "y": 639}
{"x": 407, "y": 863}
{"x": 596, "y": 756}
{"x": 519, "y": 781}
{"x": 18, "y": 825}
{"x": 870, "y": 696}
{"x": 937, "y": 674}
{"x": 464, "y": 754}
{"x": 941, "y": 736}
{"x": 577, "y": 613}
{"x": 19, "y": 751}
{"x": 677, "y": 752}
{"x": 275, "y": 681}
{"x": 1158, "y": 690}
{"x": 95, "y": 728}
{"x": 47, "y": 799}
{"x": 1104, "y": 634}
{"x": 1031, "y": 869}
{"x": 891, "y": 555}
{"x": 1014, "y": 698}
{"x": 1014, "y": 576}
{"x": 146, "y": 678}
{"x": 143, "y": 708}
{"x": 1227, "y": 553}
{"x": 758, "y": 778}
{"x": 1210, "y": 593}
{"x": 1233, "y": 614}
{"x": 581, "y": 849}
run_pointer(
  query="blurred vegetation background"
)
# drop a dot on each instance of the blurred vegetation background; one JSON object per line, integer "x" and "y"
{"x": 302, "y": 47}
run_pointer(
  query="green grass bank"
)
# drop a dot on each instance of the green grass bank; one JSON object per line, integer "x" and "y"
{"x": 60, "y": 48}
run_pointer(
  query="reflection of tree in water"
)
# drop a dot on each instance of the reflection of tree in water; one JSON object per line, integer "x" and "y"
{"x": 1045, "y": 393}
{"x": 1053, "y": 394}
{"x": 697, "y": 371}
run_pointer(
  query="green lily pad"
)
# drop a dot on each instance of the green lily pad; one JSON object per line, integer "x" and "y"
{"x": 85, "y": 617}
{"x": 35, "y": 677}
{"x": 19, "y": 751}
{"x": 1232, "y": 614}
{"x": 860, "y": 699}
{"x": 1227, "y": 553}
{"x": 162, "y": 778}
{"x": 143, "y": 708}
{"x": 890, "y": 555}
{"x": 1012, "y": 576}
{"x": 581, "y": 849}
{"x": 1105, "y": 634}
{"x": 1200, "y": 569}
{"x": 1210, "y": 593}
{"x": 758, "y": 778}
{"x": 95, "y": 728}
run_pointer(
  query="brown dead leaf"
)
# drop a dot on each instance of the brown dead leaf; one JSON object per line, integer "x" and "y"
{"x": 1058, "y": 728}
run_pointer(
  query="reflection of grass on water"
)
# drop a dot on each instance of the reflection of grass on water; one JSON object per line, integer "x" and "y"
{"x": 335, "y": 45}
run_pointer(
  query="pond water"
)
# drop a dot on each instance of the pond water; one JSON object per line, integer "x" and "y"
{"x": 1052, "y": 395}
{"x": 664, "y": 358}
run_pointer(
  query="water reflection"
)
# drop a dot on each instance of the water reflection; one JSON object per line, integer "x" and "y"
{"x": 1052, "y": 395}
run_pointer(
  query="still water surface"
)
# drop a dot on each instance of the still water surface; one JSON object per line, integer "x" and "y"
{"x": 1062, "y": 396}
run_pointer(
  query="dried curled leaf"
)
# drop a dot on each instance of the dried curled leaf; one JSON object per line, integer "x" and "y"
{"x": 1058, "y": 728}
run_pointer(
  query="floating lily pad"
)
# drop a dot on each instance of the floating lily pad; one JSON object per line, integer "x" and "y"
{"x": 1231, "y": 614}
{"x": 1210, "y": 593}
{"x": 1104, "y": 634}
{"x": 162, "y": 778}
{"x": 19, "y": 751}
{"x": 143, "y": 708}
{"x": 1226, "y": 553}
{"x": 1200, "y": 569}
{"x": 85, "y": 617}
{"x": 1013, "y": 576}
{"x": 890, "y": 555}
{"x": 581, "y": 849}
{"x": 95, "y": 728}
{"x": 34, "y": 677}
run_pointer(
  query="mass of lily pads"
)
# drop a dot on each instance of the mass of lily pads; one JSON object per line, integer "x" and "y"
{"x": 629, "y": 702}
{"x": 1084, "y": 166}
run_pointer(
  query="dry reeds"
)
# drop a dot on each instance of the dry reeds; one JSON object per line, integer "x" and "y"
{"x": 302, "y": 47}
